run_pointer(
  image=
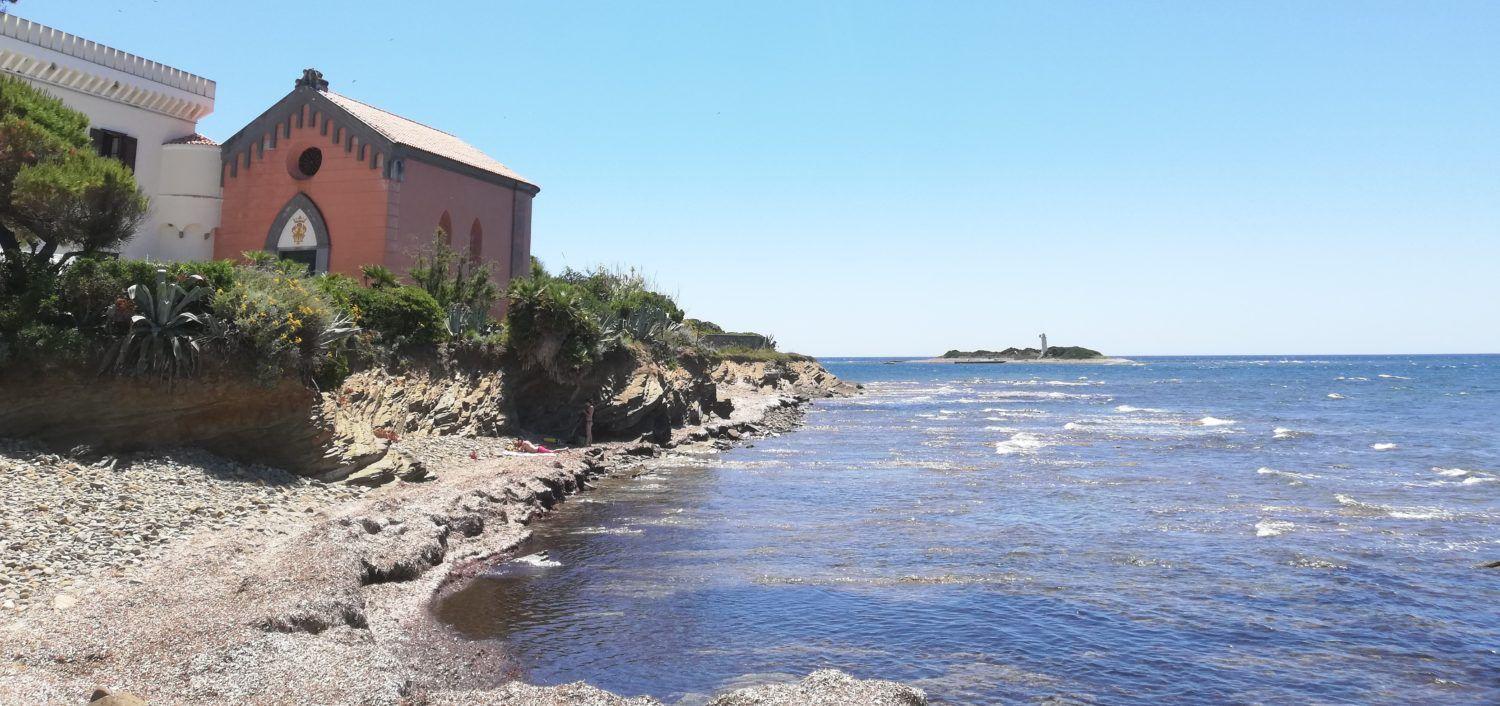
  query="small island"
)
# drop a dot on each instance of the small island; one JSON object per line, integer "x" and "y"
{"x": 1047, "y": 354}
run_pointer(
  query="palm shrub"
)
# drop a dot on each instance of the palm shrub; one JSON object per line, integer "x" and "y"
{"x": 166, "y": 330}
{"x": 550, "y": 328}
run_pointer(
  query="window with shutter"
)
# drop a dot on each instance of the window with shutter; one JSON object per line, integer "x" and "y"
{"x": 115, "y": 145}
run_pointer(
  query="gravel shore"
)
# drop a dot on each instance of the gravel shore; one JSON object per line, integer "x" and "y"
{"x": 184, "y": 578}
{"x": 66, "y": 521}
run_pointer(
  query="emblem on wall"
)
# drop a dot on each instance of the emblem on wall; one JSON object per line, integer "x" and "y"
{"x": 299, "y": 229}
{"x": 300, "y": 232}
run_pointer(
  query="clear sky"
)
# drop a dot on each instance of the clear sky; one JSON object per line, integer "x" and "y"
{"x": 870, "y": 178}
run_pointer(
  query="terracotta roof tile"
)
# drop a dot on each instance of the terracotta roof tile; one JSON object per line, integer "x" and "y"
{"x": 428, "y": 139}
{"x": 193, "y": 139}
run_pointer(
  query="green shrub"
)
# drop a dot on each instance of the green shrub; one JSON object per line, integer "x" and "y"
{"x": 45, "y": 345}
{"x": 379, "y": 276}
{"x": 220, "y": 274}
{"x": 401, "y": 315}
{"x": 550, "y": 327}
{"x": 341, "y": 290}
{"x": 282, "y": 321}
{"x": 740, "y": 354}
{"x": 701, "y": 327}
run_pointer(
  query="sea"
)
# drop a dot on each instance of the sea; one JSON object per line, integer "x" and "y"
{"x": 1195, "y": 530}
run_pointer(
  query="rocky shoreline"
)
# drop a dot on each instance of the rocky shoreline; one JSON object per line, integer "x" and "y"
{"x": 282, "y": 590}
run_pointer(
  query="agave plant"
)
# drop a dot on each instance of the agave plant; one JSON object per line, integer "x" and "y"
{"x": 463, "y": 318}
{"x": 163, "y": 336}
{"x": 336, "y": 333}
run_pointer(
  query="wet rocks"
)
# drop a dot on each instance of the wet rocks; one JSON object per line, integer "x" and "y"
{"x": 826, "y": 687}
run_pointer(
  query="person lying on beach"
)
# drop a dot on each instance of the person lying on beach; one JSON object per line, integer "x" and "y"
{"x": 528, "y": 447}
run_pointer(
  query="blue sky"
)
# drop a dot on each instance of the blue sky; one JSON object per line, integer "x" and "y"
{"x": 884, "y": 178}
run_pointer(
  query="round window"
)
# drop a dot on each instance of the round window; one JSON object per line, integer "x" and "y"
{"x": 309, "y": 162}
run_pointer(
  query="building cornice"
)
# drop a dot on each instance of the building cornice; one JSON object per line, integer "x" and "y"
{"x": 45, "y": 55}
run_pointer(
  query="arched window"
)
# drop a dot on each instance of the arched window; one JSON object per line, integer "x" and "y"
{"x": 445, "y": 229}
{"x": 476, "y": 243}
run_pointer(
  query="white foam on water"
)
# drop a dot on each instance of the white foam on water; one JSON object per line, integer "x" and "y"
{"x": 1293, "y": 478}
{"x": 1054, "y": 383}
{"x": 1355, "y": 379}
{"x": 606, "y": 530}
{"x": 1335, "y": 396}
{"x": 1215, "y": 422}
{"x": 1020, "y": 442}
{"x": 1383, "y": 446}
{"x": 1284, "y": 433}
{"x": 1009, "y": 412}
{"x": 1472, "y": 480}
{"x": 539, "y": 559}
{"x": 1400, "y": 513}
{"x": 1272, "y": 528}
{"x": 1450, "y": 472}
{"x": 1030, "y": 395}
{"x": 1128, "y": 408}
{"x": 1008, "y": 430}
{"x": 1393, "y": 377}
{"x": 1072, "y": 426}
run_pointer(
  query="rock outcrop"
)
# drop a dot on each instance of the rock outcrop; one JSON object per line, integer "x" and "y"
{"x": 346, "y": 434}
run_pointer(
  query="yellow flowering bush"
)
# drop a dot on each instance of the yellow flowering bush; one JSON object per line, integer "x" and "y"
{"x": 278, "y": 318}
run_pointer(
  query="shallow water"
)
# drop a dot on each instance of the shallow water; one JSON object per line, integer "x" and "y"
{"x": 1189, "y": 530}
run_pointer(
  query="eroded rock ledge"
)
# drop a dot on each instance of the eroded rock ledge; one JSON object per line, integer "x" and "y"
{"x": 337, "y": 434}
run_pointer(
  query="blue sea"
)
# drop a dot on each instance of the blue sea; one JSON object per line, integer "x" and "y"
{"x": 1277, "y": 530}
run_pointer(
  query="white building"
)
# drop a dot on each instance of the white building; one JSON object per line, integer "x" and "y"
{"x": 142, "y": 112}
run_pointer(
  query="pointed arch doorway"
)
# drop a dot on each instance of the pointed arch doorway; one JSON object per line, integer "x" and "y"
{"x": 300, "y": 234}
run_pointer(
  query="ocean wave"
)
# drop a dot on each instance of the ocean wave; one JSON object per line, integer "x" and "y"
{"x": 1128, "y": 408}
{"x": 1272, "y": 528}
{"x": 1400, "y": 513}
{"x": 1215, "y": 422}
{"x": 1451, "y": 472}
{"x": 1383, "y": 446}
{"x": 1020, "y": 442}
{"x": 1335, "y": 396}
{"x": 1352, "y": 379}
{"x": 1310, "y": 562}
{"x": 1055, "y": 383}
{"x": 1029, "y": 395}
{"x": 1472, "y": 480}
{"x": 1393, "y": 377}
{"x": 1293, "y": 478}
{"x": 1015, "y": 412}
{"x": 606, "y": 530}
{"x": 1285, "y": 433}
{"x": 539, "y": 559}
